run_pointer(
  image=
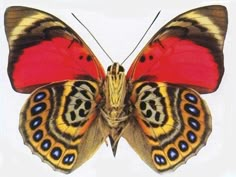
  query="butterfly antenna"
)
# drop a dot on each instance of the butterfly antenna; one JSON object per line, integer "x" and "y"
{"x": 142, "y": 37}
{"x": 93, "y": 37}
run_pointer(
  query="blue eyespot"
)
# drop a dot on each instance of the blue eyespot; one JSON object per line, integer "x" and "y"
{"x": 46, "y": 144}
{"x": 159, "y": 159}
{"x": 191, "y": 98}
{"x": 35, "y": 123}
{"x": 183, "y": 146}
{"x": 191, "y": 137}
{"x": 38, "y": 108}
{"x": 194, "y": 124}
{"x": 56, "y": 153}
{"x": 38, "y": 135}
{"x": 191, "y": 109}
{"x": 39, "y": 96}
{"x": 69, "y": 159}
{"x": 173, "y": 154}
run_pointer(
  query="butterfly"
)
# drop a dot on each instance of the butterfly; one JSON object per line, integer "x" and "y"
{"x": 74, "y": 106}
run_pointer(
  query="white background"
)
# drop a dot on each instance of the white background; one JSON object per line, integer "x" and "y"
{"x": 118, "y": 25}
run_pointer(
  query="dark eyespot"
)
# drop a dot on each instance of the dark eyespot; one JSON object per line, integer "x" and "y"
{"x": 191, "y": 137}
{"x": 191, "y": 98}
{"x": 38, "y": 108}
{"x": 82, "y": 113}
{"x": 39, "y": 96}
{"x": 191, "y": 109}
{"x": 152, "y": 104}
{"x": 157, "y": 116}
{"x": 142, "y": 105}
{"x": 89, "y": 58}
{"x": 159, "y": 159}
{"x": 72, "y": 115}
{"x": 183, "y": 146}
{"x": 173, "y": 154}
{"x": 69, "y": 159}
{"x": 142, "y": 59}
{"x": 46, "y": 144}
{"x": 35, "y": 122}
{"x": 194, "y": 124}
{"x": 38, "y": 135}
{"x": 56, "y": 153}
{"x": 78, "y": 103}
{"x": 87, "y": 105}
{"x": 148, "y": 114}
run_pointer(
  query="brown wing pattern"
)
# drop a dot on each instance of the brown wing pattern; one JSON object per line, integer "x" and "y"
{"x": 170, "y": 124}
{"x": 60, "y": 123}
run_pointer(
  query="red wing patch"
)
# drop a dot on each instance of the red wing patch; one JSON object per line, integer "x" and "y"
{"x": 178, "y": 61}
{"x": 55, "y": 60}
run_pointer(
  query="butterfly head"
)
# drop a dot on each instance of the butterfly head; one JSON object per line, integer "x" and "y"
{"x": 115, "y": 69}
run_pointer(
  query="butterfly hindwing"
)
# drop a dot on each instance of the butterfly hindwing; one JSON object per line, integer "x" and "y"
{"x": 170, "y": 124}
{"x": 186, "y": 51}
{"x": 46, "y": 49}
{"x": 60, "y": 123}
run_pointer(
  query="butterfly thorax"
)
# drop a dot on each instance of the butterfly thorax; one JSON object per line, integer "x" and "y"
{"x": 115, "y": 92}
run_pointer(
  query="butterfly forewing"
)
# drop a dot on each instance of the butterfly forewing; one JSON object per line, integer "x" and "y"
{"x": 186, "y": 51}
{"x": 39, "y": 42}
{"x": 175, "y": 123}
{"x": 59, "y": 123}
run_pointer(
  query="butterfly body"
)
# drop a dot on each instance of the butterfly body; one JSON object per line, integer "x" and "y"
{"x": 115, "y": 94}
{"x": 74, "y": 106}
{"x": 116, "y": 110}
